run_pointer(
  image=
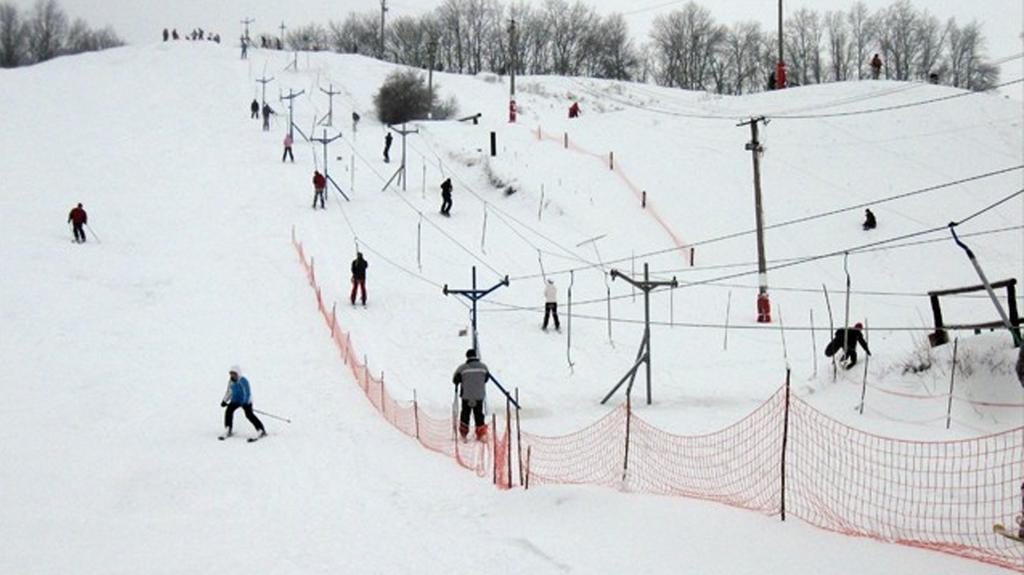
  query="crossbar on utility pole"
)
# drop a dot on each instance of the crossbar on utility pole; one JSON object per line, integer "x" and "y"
{"x": 330, "y": 105}
{"x": 764, "y": 306}
{"x": 474, "y": 295}
{"x": 400, "y": 172}
{"x": 643, "y": 355}
{"x": 291, "y": 107}
{"x": 246, "y": 22}
{"x": 325, "y": 141}
{"x": 264, "y": 80}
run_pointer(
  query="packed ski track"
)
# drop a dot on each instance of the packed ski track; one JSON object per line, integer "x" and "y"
{"x": 116, "y": 352}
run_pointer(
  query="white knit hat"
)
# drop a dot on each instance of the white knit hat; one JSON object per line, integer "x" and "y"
{"x": 236, "y": 369}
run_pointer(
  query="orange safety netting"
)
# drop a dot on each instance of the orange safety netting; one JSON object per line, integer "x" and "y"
{"x": 784, "y": 457}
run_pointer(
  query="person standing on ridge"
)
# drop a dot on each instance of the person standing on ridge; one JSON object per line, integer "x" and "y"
{"x": 848, "y": 338}
{"x": 166, "y": 34}
{"x": 574, "y": 110}
{"x": 551, "y": 305}
{"x": 869, "y": 220}
{"x": 319, "y": 189}
{"x": 472, "y": 376}
{"x": 359, "y": 266}
{"x": 387, "y": 147}
{"x": 254, "y": 109}
{"x": 876, "y": 67}
{"x": 446, "y": 197}
{"x": 238, "y": 395}
{"x": 78, "y": 218}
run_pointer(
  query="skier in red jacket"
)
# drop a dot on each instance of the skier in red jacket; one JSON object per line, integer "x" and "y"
{"x": 320, "y": 188}
{"x": 78, "y": 218}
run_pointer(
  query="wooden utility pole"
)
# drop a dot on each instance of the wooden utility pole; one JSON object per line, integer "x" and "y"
{"x": 325, "y": 141}
{"x": 330, "y": 104}
{"x": 643, "y": 356}
{"x": 291, "y": 107}
{"x": 432, "y": 47}
{"x": 764, "y": 308}
{"x": 282, "y": 28}
{"x": 383, "y": 11}
{"x": 512, "y": 71}
{"x": 400, "y": 172}
{"x": 246, "y": 23}
{"x": 475, "y": 295}
{"x": 780, "y": 66}
{"x": 264, "y": 80}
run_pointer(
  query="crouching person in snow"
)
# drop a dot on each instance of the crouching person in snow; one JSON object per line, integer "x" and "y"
{"x": 848, "y": 338}
{"x": 472, "y": 376}
{"x": 238, "y": 395}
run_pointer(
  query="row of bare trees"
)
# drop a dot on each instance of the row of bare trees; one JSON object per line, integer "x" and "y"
{"x": 46, "y": 32}
{"x": 686, "y": 48}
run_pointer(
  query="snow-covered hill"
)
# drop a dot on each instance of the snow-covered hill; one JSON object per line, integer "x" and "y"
{"x": 115, "y": 352}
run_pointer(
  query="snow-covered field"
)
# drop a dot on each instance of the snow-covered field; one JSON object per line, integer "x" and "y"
{"x": 116, "y": 352}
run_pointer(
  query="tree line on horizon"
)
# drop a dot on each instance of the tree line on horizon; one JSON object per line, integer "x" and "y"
{"x": 686, "y": 48}
{"x": 46, "y": 32}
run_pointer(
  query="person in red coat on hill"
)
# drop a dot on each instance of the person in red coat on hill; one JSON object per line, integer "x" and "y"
{"x": 320, "y": 188}
{"x": 78, "y": 218}
{"x": 574, "y": 110}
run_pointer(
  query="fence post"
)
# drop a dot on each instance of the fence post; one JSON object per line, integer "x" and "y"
{"x": 643, "y": 200}
{"x": 785, "y": 441}
{"x": 565, "y": 140}
{"x": 494, "y": 448}
{"x": 629, "y": 417}
{"x": 611, "y": 160}
{"x": 508, "y": 438}
{"x": 366, "y": 375}
{"x": 312, "y": 272}
{"x": 334, "y": 318}
{"x": 519, "y": 442}
{"x": 864, "y": 384}
{"x": 952, "y": 378}
{"x": 526, "y": 485}
{"x": 416, "y": 414}
{"x": 382, "y": 411}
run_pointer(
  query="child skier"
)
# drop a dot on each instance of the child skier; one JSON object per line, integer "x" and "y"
{"x": 238, "y": 395}
{"x": 849, "y": 338}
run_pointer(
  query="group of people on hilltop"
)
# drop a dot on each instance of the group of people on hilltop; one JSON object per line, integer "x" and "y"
{"x": 197, "y": 34}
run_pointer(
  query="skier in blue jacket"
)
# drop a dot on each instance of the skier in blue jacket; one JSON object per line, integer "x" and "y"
{"x": 238, "y": 395}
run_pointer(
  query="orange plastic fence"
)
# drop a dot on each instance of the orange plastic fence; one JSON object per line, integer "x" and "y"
{"x": 616, "y": 166}
{"x": 942, "y": 495}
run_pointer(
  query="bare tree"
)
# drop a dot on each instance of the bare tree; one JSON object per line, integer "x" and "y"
{"x": 408, "y": 38}
{"x": 863, "y": 34}
{"x": 309, "y": 37}
{"x": 358, "y": 30}
{"x": 803, "y": 40}
{"x": 685, "y": 42}
{"x": 741, "y": 49}
{"x": 12, "y": 39}
{"x": 965, "y": 63}
{"x": 569, "y": 27}
{"x": 898, "y": 35}
{"x": 46, "y": 30}
{"x": 930, "y": 37}
{"x": 839, "y": 45}
{"x": 614, "y": 55}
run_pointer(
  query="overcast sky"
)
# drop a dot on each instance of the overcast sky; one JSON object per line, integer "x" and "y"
{"x": 141, "y": 21}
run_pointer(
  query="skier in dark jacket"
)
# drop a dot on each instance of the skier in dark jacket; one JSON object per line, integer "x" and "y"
{"x": 166, "y": 34}
{"x": 387, "y": 147}
{"x": 446, "y": 197}
{"x": 472, "y": 376}
{"x": 78, "y": 218}
{"x": 848, "y": 338}
{"x": 254, "y": 109}
{"x": 876, "y": 67}
{"x": 238, "y": 395}
{"x": 869, "y": 220}
{"x": 267, "y": 111}
{"x": 319, "y": 189}
{"x": 359, "y": 266}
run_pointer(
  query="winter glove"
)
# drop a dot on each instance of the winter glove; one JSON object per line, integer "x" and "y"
{"x": 223, "y": 404}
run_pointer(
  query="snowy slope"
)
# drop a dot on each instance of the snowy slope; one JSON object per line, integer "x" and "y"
{"x": 115, "y": 352}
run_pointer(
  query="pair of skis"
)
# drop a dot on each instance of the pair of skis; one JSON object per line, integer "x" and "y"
{"x": 249, "y": 440}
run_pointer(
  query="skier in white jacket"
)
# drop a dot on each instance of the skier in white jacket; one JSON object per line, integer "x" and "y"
{"x": 551, "y": 305}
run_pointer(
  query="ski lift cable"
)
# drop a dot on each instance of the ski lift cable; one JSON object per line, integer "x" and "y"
{"x": 803, "y": 219}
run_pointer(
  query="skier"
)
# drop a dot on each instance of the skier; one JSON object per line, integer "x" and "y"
{"x": 78, "y": 218}
{"x": 174, "y": 34}
{"x": 166, "y": 34}
{"x": 574, "y": 110}
{"x": 876, "y": 67}
{"x": 387, "y": 147}
{"x": 355, "y": 121}
{"x": 288, "y": 148}
{"x": 254, "y": 109}
{"x": 319, "y": 188}
{"x": 869, "y": 220}
{"x": 245, "y": 47}
{"x": 238, "y": 395}
{"x": 446, "y": 197}
{"x": 359, "y": 266}
{"x": 472, "y": 376}
{"x": 551, "y": 305}
{"x": 267, "y": 111}
{"x": 850, "y": 338}
{"x": 1020, "y": 377}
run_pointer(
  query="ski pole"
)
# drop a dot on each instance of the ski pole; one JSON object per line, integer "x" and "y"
{"x": 95, "y": 237}
{"x": 271, "y": 415}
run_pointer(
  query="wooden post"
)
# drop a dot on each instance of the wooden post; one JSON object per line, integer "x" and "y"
{"x": 952, "y": 379}
{"x": 693, "y": 252}
{"x": 785, "y": 441}
{"x": 494, "y": 449}
{"x": 814, "y": 345}
{"x": 416, "y": 414}
{"x": 382, "y": 404}
{"x": 334, "y": 318}
{"x": 540, "y": 208}
{"x": 565, "y": 140}
{"x": 643, "y": 200}
{"x": 526, "y": 484}
{"x": 494, "y": 144}
{"x": 508, "y": 436}
{"x": 519, "y": 441}
{"x": 629, "y": 416}
{"x": 611, "y": 160}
